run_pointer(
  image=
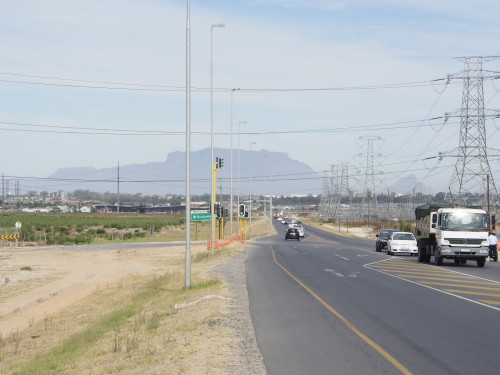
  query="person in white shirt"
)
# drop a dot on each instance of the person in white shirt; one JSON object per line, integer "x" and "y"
{"x": 492, "y": 241}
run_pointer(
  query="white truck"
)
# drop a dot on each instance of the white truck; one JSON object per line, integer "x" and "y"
{"x": 447, "y": 231}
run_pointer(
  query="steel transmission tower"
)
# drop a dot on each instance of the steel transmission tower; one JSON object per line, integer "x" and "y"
{"x": 472, "y": 181}
{"x": 330, "y": 193}
{"x": 344, "y": 190}
{"x": 335, "y": 188}
{"x": 369, "y": 205}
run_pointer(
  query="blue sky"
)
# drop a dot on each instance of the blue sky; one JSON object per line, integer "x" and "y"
{"x": 120, "y": 66}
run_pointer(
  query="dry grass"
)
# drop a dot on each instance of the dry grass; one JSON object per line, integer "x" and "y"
{"x": 133, "y": 327}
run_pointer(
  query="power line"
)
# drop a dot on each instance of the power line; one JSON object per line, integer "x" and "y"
{"x": 132, "y": 132}
{"x": 173, "y": 88}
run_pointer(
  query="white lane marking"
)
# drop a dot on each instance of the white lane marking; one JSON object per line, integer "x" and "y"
{"x": 354, "y": 274}
{"x": 334, "y": 272}
{"x": 341, "y": 257}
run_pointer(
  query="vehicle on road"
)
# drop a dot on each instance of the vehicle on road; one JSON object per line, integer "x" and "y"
{"x": 300, "y": 228}
{"x": 292, "y": 233}
{"x": 448, "y": 231}
{"x": 402, "y": 243}
{"x": 382, "y": 238}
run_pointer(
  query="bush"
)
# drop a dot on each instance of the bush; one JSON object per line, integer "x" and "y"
{"x": 406, "y": 226}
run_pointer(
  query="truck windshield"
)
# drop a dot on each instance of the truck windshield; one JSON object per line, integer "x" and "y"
{"x": 464, "y": 221}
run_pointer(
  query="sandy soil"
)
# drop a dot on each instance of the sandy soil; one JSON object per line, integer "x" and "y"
{"x": 36, "y": 284}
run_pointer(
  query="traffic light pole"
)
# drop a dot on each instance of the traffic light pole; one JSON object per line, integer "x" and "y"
{"x": 214, "y": 202}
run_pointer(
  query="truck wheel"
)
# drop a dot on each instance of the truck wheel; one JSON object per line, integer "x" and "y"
{"x": 481, "y": 262}
{"x": 439, "y": 260}
{"x": 377, "y": 248}
{"x": 457, "y": 261}
{"x": 428, "y": 254}
{"x": 421, "y": 254}
{"x": 422, "y": 250}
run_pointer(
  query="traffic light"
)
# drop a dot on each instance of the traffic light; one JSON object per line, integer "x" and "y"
{"x": 242, "y": 210}
{"x": 219, "y": 162}
{"x": 217, "y": 210}
{"x": 226, "y": 212}
{"x": 246, "y": 213}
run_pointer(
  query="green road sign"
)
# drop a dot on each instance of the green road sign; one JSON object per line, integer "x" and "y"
{"x": 201, "y": 216}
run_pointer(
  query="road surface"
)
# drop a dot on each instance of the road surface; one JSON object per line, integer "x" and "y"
{"x": 332, "y": 305}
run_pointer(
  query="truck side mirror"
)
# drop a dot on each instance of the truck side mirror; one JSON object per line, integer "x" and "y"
{"x": 419, "y": 233}
{"x": 376, "y": 235}
{"x": 434, "y": 219}
{"x": 433, "y": 225}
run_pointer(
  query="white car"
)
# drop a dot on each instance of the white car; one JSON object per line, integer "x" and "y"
{"x": 300, "y": 229}
{"x": 402, "y": 243}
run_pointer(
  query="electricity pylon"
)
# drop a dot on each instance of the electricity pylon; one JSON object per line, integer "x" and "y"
{"x": 472, "y": 182}
{"x": 369, "y": 205}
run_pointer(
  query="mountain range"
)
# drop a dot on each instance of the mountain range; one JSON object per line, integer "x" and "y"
{"x": 262, "y": 172}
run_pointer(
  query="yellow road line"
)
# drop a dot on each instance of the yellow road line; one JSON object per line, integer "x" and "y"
{"x": 365, "y": 338}
{"x": 475, "y": 293}
{"x": 425, "y": 273}
{"x": 444, "y": 279}
{"x": 461, "y": 286}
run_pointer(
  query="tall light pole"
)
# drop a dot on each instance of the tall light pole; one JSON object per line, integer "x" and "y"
{"x": 239, "y": 158}
{"x": 212, "y": 203}
{"x": 187, "y": 255}
{"x": 250, "y": 204}
{"x": 231, "y": 208}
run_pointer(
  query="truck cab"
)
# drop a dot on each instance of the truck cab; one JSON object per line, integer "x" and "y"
{"x": 456, "y": 233}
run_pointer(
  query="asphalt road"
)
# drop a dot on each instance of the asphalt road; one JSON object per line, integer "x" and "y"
{"x": 332, "y": 305}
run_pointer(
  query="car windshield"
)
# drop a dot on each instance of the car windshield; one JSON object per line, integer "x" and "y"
{"x": 386, "y": 233}
{"x": 460, "y": 221}
{"x": 403, "y": 237}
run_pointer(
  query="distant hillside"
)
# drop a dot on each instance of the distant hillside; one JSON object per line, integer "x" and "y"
{"x": 280, "y": 174}
{"x": 407, "y": 185}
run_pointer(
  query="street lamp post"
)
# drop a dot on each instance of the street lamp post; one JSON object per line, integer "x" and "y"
{"x": 187, "y": 255}
{"x": 212, "y": 203}
{"x": 250, "y": 204}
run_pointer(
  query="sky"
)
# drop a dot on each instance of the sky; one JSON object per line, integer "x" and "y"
{"x": 92, "y": 83}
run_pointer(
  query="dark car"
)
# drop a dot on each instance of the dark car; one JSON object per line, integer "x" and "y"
{"x": 382, "y": 238}
{"x": 292, "y": 233}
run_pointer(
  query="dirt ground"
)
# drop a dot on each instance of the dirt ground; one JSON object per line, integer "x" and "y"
{"x": 36, "y": 284}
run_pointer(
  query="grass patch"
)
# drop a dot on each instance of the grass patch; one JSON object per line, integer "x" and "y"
{"x": 129, "y": 330}
{"x": 51, "y": 362}
{"x": 26, "y": 268}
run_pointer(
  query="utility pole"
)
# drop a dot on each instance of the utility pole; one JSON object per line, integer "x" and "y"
{"x": 467, "y": 184}
{"x": 118, "y": 190}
